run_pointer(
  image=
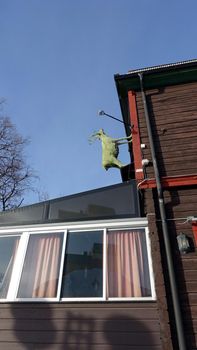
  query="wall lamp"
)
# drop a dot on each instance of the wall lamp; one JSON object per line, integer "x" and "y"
{"x": 102, "y": 113}
{"x": 183, "y": 243}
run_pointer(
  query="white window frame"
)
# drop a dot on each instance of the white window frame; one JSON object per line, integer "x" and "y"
{"x": 4, "y": 236}
{"x": 64, "y": 232}
{"x": 26, "y": 231}
{"x": 88, "y": 298}
{"x": 152, "y": 285}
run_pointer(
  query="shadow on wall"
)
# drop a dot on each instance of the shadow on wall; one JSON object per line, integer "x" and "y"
{"x": 60, "y": 327}
{"x": 32, "y": 327}
{"x": 123, "y": 333}
{"x": 117, "y": 332}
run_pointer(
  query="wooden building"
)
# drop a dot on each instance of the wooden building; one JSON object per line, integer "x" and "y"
{"x": 161, "y": 105}
{"x": 103, "y": 269}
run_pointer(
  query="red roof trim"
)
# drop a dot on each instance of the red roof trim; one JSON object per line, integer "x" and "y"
{"x": 170, "y": 181}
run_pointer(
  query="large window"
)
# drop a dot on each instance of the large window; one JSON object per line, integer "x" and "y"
{"x": 76, "y": 263}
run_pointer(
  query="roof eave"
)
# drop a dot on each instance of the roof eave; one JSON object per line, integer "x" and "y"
{"x": 157, "y": 76}
{"x": 154, "y": 77}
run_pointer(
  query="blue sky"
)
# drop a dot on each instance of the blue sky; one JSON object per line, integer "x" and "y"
{"x": 57, "y": 64}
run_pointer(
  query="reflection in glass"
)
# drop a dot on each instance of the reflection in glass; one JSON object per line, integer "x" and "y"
{"x": 41, "y": 267}
{"x": 8, "y": 249}
{"x": 128, "y": 269}
{"x": 108, "y": 202}
{"x": 83, "y": 267}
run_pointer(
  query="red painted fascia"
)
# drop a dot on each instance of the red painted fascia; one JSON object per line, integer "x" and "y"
{"x": 194, "y": 229}
{"x": 170, "y": 181}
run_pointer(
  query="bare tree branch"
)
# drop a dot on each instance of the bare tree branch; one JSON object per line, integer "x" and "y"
{"x": 15, "y": 175}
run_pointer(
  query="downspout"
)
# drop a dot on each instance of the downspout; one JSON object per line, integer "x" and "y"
{"x": 173, "y": 285}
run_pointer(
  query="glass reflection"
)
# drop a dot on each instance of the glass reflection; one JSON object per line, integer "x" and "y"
{"x": 109, "y": 202}
{"x": 83, "y": 267}
{"x": 8, "y": 249}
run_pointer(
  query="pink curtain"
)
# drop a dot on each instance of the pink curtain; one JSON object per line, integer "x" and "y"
{"x": 46, "y": 277}
{"x": 128, "y": 272}
{"x": 41, "y": 268}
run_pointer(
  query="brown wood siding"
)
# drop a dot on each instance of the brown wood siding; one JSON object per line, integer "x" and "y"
{"x": 90, "y": 326}
{"x": 173, "y": 115}
{"x": 180, "y": 203}
{"x": 160, "y": 283}
{"x": 185, "y": 200}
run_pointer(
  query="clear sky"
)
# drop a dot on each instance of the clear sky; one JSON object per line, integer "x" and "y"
{"x": 57, "y": 64}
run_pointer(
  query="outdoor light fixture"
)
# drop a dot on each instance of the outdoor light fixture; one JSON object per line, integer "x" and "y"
{"x": 145, "y": 162}
{"x": 183, "y": 243}
{"x": 102, "y": 113}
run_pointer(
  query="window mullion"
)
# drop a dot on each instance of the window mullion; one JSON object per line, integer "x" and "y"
{"x": 18, "y": 265}
{"x": 148, "y": 245}
{"x": 105, "y": 264}
{"x": 62, "y": 265}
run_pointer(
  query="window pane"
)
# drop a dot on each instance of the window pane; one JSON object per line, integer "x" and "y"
{"x": 8, "y": 249}
{"x": 128, "y": 269}
{"x": 41, "y": 267}
{"x": 109, "y": 202}
{"x": 83, "y": 276}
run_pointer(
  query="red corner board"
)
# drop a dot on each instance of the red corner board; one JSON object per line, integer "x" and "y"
{"x": 137, "y": 154}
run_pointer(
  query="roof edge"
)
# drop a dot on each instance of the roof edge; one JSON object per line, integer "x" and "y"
{"x": 157, "y": 76}
{"x": 163, "y": 66}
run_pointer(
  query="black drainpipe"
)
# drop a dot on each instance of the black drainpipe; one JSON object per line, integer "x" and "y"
{"x": 173, "y": 285}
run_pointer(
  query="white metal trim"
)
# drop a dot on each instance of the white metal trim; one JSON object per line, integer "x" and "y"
{"x": 18, "y": 266}
{"x": 35, "y": 300}
{"x": 75, "y": 225}
{"x": 132, "y": 299}
{"x": 88, "y": 299}
{"x": 105, "y": 264}
{"x": 150, "y": 263}
{"x": 61, "y": 268}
